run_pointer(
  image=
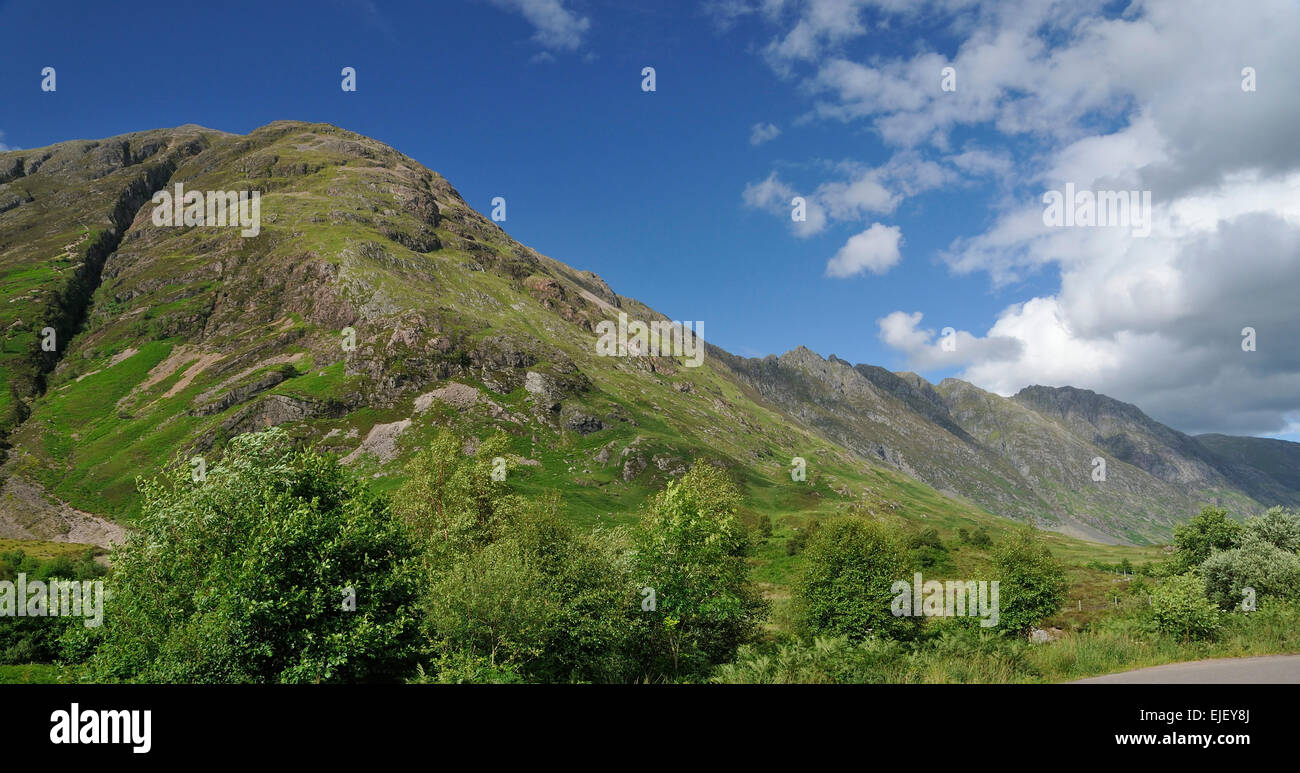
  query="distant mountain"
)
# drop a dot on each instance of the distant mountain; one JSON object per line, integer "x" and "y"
{"x": 1266, "y": 468}
{"x": 1027, "y": 457}
{"x": 375, "y": 306}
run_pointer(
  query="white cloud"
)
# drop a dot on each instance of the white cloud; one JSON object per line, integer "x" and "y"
{"x": 874, "y": 250}
{"x": 861, "y": 193}
{"x": 926, "y": 349}
{"x": 4, "y": 147}
{"x": 557, "y": 28}
{"x": 1057, "y": 92}
{"x": 773, "y": 195}
{"x": 763, "y": 132}
{"x": 821, "y": 23}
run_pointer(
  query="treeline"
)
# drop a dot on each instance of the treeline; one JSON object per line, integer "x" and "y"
{"x": 283, "y": 567}
{"x": 1229, "y": 589}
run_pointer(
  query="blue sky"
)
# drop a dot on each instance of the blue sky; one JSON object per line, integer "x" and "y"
{"x": 675, "y": 198}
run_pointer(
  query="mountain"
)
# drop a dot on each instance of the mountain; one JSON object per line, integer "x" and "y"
{"x": 1029, "y": 457}
{"x": 373, "y": 307}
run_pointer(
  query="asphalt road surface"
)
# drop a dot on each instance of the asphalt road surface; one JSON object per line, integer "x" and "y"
{"x": 1271, "y": 669}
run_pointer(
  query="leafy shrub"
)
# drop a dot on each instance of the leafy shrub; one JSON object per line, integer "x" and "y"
{"x": 691, "y": 548}
{"x": 245, "y": 577}
{"x": 1257, "y": 564}
{"x": 1179, "y": 608}
{"x": 1207, "y": 532}
{"x": 796, "y": 544}
{"x": 979, "y": 538}
{"x": 845, "y": 590}
{"x": 513, "y": 591}
{"x": 825, "y": 660}
{"x": 37, "y": 639}
{"x": 1277, "y": 526}
{"x": 466, "y": 668}
{"x": 927, "y": 537}
{"x": 1032, "y": 583}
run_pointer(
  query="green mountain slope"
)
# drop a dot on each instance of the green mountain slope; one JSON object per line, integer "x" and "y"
{"x": 375, "y": 307}
{"x": 195, "y": 334}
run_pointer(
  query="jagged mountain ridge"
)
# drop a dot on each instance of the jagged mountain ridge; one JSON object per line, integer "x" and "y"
{"x": 174, "y": 339}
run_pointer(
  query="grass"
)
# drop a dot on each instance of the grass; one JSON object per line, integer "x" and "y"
{"x": 45, "y": 550}
{"x": 36, "y": 673}
{"x": 1121, "y": 642}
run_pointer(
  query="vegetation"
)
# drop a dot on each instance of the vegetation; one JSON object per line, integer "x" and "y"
{"x": 1208, "y": 531}
{"x": 36, "y": 639}
{"x": 284, "y": 566}
{"x": 850, "y": 567}
{"x": 1179, "y": 608}
{"x": 279, "y": 567}
{"x": 1032, "y": 582}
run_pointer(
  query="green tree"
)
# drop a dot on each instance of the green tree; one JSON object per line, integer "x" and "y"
{"x": 845, "y": 589}
{"x": 1277, "y": 526}
{"x": 1179, "y": 608}
{"x": 452, "y": 502}
{"x": 1208, "y": 531}
{"x": 512, "y": 590}
{"x": 279, "y": 567}
{"x": 1031, "y": 583}
{"x": 37, "y": 639}
{"x": 1269, "y": 571}
{"x": 690, "y": 549}
{"x": 542, "y": 601}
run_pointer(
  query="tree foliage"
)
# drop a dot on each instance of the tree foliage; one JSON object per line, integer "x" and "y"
{"x": 690, "y": 548}
{"x": 1208, "y": 531}
{"x": 1032, "y": 583}
{"x": 1179, "y": 608}
{"x": 845, "y": 589}
{"x": 512, "y": 590}
{"x": 247, "y": 576}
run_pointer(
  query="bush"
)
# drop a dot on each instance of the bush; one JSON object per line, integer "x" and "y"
{"x": 796, "y": 544}
{"x": 925, "y": 538}
{"x": 1277, "y": 526}
{"x": 845, "y": 589}
{"x": 979, "y": 538}
{"x": 1179, "y": 608}
{"x": 37, "y": 639}
{"x": 513, "y": 591}
{"x": 1207, "y": 532}
{"x": 1257, "y": 564}
{"x": 1139, "y": 587}
{"x": 1032, "y": 583}
{"x": 466, "y": 668}
{"x": 245, "y": 577}
{"x": 828, "y": 660}
{"x": 542, "y": 602}
{"x": 691, "y": 548}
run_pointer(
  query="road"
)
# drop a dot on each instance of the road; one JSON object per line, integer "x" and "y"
{"x": 1271, "y": 669}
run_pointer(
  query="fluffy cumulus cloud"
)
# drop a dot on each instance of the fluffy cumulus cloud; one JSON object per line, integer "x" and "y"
{"x": 556, "y": 27}
{"x": 3, "y": 146}
{"x": 1148, "y": 98}
{"x": 927, "y": 349}
{"x": 874, "y": 250}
